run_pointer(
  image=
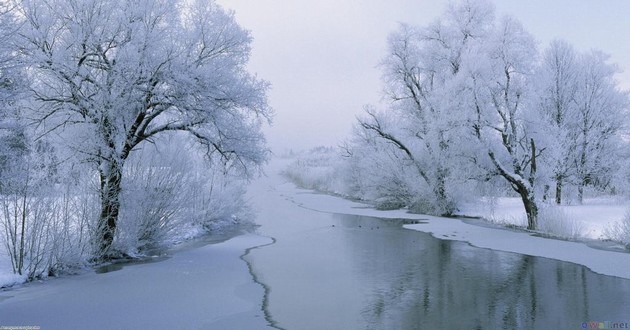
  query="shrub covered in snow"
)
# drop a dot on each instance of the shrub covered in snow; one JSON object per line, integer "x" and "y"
{"x": 620, "y": 231}
{"x": 49, "y": 231}
{"x": 169, "y": 193}
{"x": 48, "y": 223}
{"x": 318, "y": 169}
{"x": 554, "y": 220}
{"x": 387, "y": 180}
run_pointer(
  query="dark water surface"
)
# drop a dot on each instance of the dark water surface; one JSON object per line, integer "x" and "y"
{"x": 330, "y": 271}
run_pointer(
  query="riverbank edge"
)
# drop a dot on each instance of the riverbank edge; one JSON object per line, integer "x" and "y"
{"x": 593, "y": 255}
{"x": 219, "y": 236}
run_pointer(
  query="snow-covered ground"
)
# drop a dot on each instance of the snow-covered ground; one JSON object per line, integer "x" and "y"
{"x": 591, "y": 219}
{"x": 203, "y": 288}
{"x": 7, "y": 278}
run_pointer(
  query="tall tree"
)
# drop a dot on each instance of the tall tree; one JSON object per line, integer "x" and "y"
{"x": 421, "y": 64}
{"x": 557, "y": 91}
{"x": 600, "y": 108}
{"x": 111, "y": 75}
{"x": 470, "y": 99}
{"x": 499, "y": 76}
{"x": 13, "y": 141}
{"x": 583, "y": 106}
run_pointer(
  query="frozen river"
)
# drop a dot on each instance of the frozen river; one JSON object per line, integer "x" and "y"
{"x": 354, "y": 272}
{"x": 333, "y": 271}
{"x": 305, "y": 269}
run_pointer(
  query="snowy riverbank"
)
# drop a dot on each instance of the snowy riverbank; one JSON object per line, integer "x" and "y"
{"x": 600, "y": 261}
{"x": 589, "y": 220}
{"x": 229, "y": 285}
{"x": 202, "y": 288}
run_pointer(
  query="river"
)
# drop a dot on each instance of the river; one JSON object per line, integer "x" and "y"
{"x": 304, "y": 269}
{"x": 333, "y": 271}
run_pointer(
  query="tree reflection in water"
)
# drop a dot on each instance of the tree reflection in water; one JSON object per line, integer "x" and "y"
{"x": 420, "y": 282}
{"x": 349, "y": 272}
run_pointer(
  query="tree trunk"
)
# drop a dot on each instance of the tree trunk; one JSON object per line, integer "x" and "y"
{"x": 20, "y": 263}
{"x": 446, "y": 207}
{"x": 545, "y": 193}
{"x": 558, "y": 190}
{"x": 526, "y": 192}
{"x": 110, "y": 206}
{"x": 531, "y": 208}
{"x": 525, "y": 189}
{"x": 528, "y": 196}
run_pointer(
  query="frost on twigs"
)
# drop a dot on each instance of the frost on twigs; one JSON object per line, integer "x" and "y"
{"x": 96, "y": 98}
{"x": 470, "y": 100}
{"x": 110, "y": 77}
{"x": 554, "y": 221}
{"x": 620, "y": 231}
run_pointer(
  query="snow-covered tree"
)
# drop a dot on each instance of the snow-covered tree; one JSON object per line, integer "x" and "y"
{"x": 385, "y": 170}
{"x": 13, "y": 144}
{"x": 109, "y": 76}
{"x": 504, "y": 126}
{"x": 600, "y": 109}
{"x": 472, "y": 99}
{"x": 583, "y": 108}
{"x": 420, "y": 66}
{"x": 557, "y": 91}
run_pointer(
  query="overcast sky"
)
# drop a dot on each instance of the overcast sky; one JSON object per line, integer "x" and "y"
{"x": 321, "y": 56}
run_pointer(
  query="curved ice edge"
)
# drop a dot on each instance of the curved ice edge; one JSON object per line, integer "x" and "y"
{"x": 266, "y": 289}
{"x": 605, "y": 262}
{"x": 600, "y": 261}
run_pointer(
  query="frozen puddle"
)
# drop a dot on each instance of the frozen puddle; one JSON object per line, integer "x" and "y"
{"x": 204, "y": 288}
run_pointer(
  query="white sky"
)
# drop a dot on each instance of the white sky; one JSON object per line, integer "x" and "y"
{"x": 321, "y": 56}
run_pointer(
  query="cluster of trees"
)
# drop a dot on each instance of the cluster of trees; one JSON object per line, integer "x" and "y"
{"x": 472, "y": 104}
{"x": 121, "y": 124}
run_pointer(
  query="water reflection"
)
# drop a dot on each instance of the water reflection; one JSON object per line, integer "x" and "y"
{"x": 421, "y": 282}
{"x": 352, "y": 272}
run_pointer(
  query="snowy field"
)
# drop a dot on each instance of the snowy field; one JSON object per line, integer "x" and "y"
{"x": 589, "y": 220}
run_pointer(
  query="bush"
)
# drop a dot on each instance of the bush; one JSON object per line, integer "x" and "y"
{"x": 45, "y": 234}
{"x": 319, "y": 169}
{"x": 171, "y": 195}
{"x": 387, "y": 180}
{"x": 553, "y": 220}
{"x": 45, "y": 222}
{"x": 620, "y": 231}
{"x": 49, "y": 215}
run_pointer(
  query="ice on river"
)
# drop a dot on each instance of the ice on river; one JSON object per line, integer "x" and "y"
{"x": 325, "y": 271}
{"x": 203, "y": 288}
{"x": 600, "y": 261}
